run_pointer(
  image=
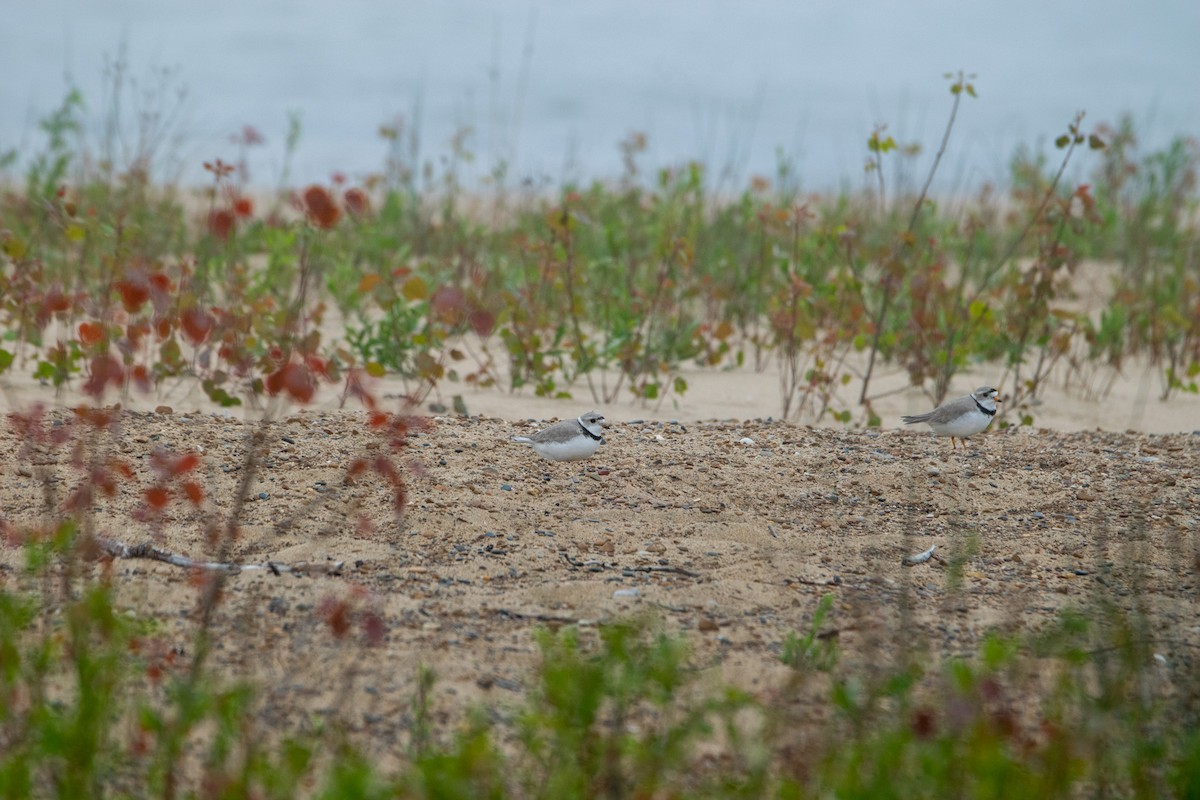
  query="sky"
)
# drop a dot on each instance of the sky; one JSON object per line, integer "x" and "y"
{"x": 551, "y": 88}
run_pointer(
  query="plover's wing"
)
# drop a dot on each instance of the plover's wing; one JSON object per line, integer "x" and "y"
{"x": 948, "y": 412}
{"x": 559, "y": 432}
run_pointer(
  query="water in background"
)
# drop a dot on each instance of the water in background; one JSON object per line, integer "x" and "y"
{"x": 551, "y": 87}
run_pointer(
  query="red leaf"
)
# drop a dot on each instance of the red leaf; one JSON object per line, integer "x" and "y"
{"x": 134, "y": 291}
{"x": 90, "y": 332}
{"x": 134, "y": 332}
{"x": 221, "y": 222}
{"x": 196, "y": 324}
{"x": 373, "y": 628}
{"x": 482, "y": 322}
{"x": 449, "y": 303}
{"x": 160, "y": 282}
{"x": 298, "y": 382}
{"x": 319, "y": 206}
{"x": 318, "y": 365}
{"x": 103, "y": 371}
{"x": 141, "y": 378}
{"x": 337, "y": 615}
{"x": 356, "y": 468}
{"x": 157, "y": 497}
{"x": 96, "y": 417}
{"x": 102, "y": 478}
{"x": 386, "y": 469}
{"x": 185, "y": 463}
{"x": 54, "y": 302}
{"x": 194, "y": 492}
{"x": 274, "y": 382}
{"x": 80, "y": 499}
{"x": 121, "y": 467}
{"x": 357, "y": 202}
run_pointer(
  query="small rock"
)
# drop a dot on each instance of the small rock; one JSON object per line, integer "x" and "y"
{"x": 708, "y": 625}
{"x": 627, "y": 593}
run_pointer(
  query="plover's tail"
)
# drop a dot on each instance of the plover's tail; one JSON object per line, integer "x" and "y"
{"x": 916, "y": 418}
{"x": 522, "y": 439}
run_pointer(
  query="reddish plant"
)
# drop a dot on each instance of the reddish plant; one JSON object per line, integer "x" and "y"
{"x": 196, "y": 324}
{"x": 294, "y": 378}
{"x": 221, "y": 223}
{"x": 357, "y": 202}
{"x": 320, "y": 208}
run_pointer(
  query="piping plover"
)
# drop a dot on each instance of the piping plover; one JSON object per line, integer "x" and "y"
{"x": 569, "y": 440}
{"x": 962, "y": 417}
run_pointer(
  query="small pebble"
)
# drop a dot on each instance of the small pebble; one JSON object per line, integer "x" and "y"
{"x": 625, "y": 593}
{"x": 504, "y": 487}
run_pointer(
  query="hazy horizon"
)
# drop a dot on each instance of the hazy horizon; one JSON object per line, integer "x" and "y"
{"x": 551, "y": 88}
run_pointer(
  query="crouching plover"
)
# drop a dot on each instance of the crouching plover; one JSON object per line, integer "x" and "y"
{"x": 962, "y": 417}
{"x": 569, "y": 440}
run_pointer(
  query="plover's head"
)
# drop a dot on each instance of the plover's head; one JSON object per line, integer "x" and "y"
{"x": 593, "y": 421}
{"x": 987, "y": 397}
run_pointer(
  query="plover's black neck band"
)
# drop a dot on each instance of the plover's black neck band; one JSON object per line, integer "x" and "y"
{"x": 588, "y": 433}
{"x": 979, "y": 405}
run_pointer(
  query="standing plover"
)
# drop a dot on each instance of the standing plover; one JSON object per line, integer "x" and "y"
{"x": 962, "y": 417}
{"x": 569, "y": 440}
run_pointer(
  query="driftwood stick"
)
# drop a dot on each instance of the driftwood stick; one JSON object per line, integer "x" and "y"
{"x": 597, "y": 565}
{"x": 148, "y": 551}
